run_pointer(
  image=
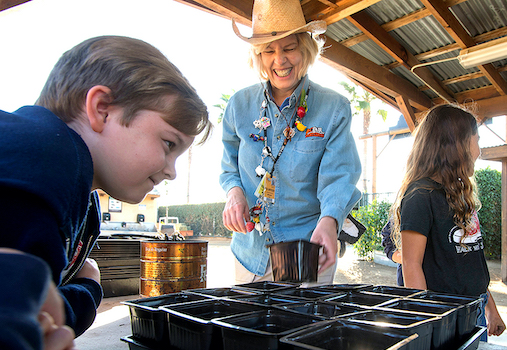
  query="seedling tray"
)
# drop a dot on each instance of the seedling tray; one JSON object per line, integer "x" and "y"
{"x": 149, "y": 322}
{"x": 261, "y": 329}
{"x": 343, "y": 335}
{"x": 190, "y": 326}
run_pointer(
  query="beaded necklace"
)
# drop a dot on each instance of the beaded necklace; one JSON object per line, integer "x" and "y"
{"x": 266, "y": 187}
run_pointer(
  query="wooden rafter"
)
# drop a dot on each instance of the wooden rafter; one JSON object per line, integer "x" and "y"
{"x": 451, "y": 24}
{"x": 382, "y": 38}
{"x": 363, "y": 70}
{"x": 6, "y": 4}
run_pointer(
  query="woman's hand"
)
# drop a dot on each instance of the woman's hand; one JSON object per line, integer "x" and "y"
{"x": 326, "y": 235}
{"x": 236, "y": 211}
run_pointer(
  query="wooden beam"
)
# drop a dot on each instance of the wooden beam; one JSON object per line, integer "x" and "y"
{"x": 497, "y": 153}
{"x": 365, "y": 71}
{"x": 382, "y": 38}
{"x": 441, "y": 12}
{"x": 490, "y": 108}
{"x": 407, "y": 111}
{"x": 241, "y": 11}
{"x": 6, "y": 4}
{"x": 346, "y": 8}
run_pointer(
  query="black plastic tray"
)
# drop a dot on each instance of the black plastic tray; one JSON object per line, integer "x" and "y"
{"x": 396, "y": 291}
{"x": 269, "y": 299}
{"x": 309, "y": 293}
{"x": 472, "y": 343}
{"x": 148, "y": 322}
{"x": 361, "y": 299}
{"x": 343, "y": 335}
{"x": 266, "y": 286}
{"x": 322, "y": 309}
{"x": 344, "y": 287}
{"x": 444, "y": 330}
{"x": 261, "y": 329}
{"x": 403, "y": 322}
{"x": 190, "y": 326}
{"x": 467, "y": 311}
{"x": 221, "y": 292}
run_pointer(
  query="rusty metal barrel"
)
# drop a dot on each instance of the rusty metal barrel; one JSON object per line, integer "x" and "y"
{"x": 172, "y": 266}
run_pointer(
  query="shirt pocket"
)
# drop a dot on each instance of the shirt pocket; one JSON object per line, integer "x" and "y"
{"x": 306, "y": 159}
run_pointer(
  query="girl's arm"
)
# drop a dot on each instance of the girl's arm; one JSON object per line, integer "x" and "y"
{"x": 414, "y": 246}
{"x": 496, "y": 326}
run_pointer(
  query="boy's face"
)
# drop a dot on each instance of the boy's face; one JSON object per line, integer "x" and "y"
{"x": 133, "y": 159}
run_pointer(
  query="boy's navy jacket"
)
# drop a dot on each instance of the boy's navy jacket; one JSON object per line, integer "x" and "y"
{"x": 46, "y": 207}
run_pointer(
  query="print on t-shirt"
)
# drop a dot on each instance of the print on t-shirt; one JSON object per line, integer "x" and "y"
{"x": 472, "y": 241}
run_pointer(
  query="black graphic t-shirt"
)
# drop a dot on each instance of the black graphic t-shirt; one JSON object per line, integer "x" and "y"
{"x": 449, "y": 266}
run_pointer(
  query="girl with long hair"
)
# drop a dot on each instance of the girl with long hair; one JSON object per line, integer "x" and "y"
{"x": 435, "y": 215}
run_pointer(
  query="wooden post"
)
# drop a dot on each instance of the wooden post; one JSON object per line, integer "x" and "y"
{"x": 374, "y": 165}
{"x": 504, "y": 221}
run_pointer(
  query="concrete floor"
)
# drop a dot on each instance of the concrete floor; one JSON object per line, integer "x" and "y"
{"x": 113, "y": 319}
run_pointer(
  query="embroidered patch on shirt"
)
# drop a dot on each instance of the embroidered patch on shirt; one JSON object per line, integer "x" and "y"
{"x": 314, "y": 131}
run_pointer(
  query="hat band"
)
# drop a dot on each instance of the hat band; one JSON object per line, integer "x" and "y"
{"x": 269, "y": 34}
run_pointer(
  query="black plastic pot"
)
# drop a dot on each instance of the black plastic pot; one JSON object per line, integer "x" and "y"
{"x": 444, "y": 329}
{"x": 467, "y": 310}
{"x": 266, "y": 286}
{"x": 149, "y": 322}
{"x": 339, "y": 334}
{"x": 322, "y": 309}
{"x": 362, "y": 299}
{"x": 190, "y": 326}
{"x": 261, "y": 329}
{"x": 294, "y": 261}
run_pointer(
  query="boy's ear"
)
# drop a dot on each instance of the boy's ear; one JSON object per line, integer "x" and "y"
{"x": 97, "y": 106}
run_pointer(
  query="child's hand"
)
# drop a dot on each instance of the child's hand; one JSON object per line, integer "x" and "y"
{"x": 90, "y": 269}
{"x": 56, "y": 337}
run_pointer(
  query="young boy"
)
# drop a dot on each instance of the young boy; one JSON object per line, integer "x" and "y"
{"x": 114, "y": 115}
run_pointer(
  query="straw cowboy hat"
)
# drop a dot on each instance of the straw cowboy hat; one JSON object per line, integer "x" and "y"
{"x": 277, "y": 19}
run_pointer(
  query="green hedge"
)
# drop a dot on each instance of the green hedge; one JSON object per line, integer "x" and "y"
{"x": 206, "y": 219}
{"x": 374, "y": 217}
{"x": 489, "y": 185}
{"x": 203, "y": 219}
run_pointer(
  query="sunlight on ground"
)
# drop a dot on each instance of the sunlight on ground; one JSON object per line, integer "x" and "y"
{"x": 109, "y": 316}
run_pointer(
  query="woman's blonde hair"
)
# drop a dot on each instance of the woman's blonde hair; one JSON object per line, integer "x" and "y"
{"x": 310, "y": 46}
{"x": 441, "y": 151}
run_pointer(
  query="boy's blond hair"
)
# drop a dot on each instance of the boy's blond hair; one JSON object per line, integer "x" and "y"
{"x": 140, "y": 78}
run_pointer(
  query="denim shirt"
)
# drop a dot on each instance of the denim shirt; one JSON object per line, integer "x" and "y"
{"x": 316, "y": 174}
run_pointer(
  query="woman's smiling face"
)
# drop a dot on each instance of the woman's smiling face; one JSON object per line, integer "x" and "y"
{"x": 282, "y": 61}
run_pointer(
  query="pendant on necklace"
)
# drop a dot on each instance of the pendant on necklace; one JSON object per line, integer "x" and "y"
{"x": 262, "y": 123}
{"x": 260, "y": 171}
{"x": 300, "y": 126}
{"x": 257, "y": 137}
{"x": 289, "y": 133}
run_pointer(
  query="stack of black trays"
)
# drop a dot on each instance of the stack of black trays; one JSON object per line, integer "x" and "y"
{"x": 283, "y": 315}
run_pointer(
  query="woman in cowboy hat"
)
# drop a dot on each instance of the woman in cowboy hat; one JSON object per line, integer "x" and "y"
{"x": 290, "y": 164}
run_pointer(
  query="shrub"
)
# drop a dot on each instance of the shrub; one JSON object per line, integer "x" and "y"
{"x": 373, "y": 216}
{"x": 203, "y": 219}
{"x": 489, "y": 185}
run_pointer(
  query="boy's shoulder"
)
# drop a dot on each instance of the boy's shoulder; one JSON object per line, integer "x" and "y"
{"x": 41, "y": 155}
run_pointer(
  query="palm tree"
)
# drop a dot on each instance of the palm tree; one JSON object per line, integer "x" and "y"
{"x": 225, "y": 100}
{"x": 361, "y": 102}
